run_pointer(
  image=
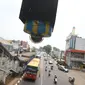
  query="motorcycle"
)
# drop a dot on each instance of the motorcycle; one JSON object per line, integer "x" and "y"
{"x": 51, "y": 67}
{"x": 71, "y": 80}
{"x": 55, "y": 80}
{"x": 49, "y": 74}
{"x": 45, "y": 69}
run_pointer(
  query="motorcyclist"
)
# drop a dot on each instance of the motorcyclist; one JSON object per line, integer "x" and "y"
{"x": 51, "y": 67}
{"x": 55, "y": 79}
{"x": 71, "y": 80}
{"x": 46, "y": 62}
{"x": 46, "y": 68}
{"x": 49, "y": 73}
{"x": 55, "y": 76}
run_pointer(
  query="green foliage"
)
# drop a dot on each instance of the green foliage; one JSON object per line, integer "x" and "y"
{"x": 56, "y": 49}
{"x": 47, "y": 48}
{"x": 33, "y": 49}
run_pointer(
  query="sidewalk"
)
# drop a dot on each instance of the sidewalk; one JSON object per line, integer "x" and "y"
{"x": 78, "y": 75}
{"x": 14, "y": 81}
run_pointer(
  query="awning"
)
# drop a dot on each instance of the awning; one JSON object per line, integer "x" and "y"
{"x": 76, "y": 51}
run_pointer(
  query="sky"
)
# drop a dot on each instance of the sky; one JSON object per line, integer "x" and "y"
{"x": 69, "y": 13}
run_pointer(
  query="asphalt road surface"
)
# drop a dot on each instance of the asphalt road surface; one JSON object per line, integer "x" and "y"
{"x": 44, "y": 79}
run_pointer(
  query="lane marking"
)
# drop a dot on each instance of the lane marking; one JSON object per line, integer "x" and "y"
{"x": 15, "y": 84}
{"x": 20, "y": 79}
{"x": 41, "y": 70}
{"x": 18, "y": 82}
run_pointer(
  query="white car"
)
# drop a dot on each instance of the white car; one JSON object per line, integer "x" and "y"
{"x": 65, "y": 69}
{"x": 62, "y": 68}
{"x": 50, "y": 62}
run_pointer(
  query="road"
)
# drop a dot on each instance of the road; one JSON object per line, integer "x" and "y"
{"x": 45, "y": 80}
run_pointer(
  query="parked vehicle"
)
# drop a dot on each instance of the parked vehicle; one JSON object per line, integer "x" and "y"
{"x": 60, "y": 67}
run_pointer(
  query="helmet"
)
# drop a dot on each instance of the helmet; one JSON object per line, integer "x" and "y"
{"x": 36, "y": 38}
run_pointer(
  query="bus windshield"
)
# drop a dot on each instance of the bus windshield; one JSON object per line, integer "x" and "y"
{"x": 32, "y": 69}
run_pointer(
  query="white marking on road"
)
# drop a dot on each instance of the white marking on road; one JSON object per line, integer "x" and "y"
{"x": 18, "y": 82}
{"x": 41, "y": 71}
{"x": 20, "y": 79}
{"x": 15, "y": 84}
{"x": 41, "y": 79}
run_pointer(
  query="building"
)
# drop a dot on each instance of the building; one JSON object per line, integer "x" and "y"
{"x": 6, "y": 44}
{"x": 16, "y": 44}
{"x": 62, "y": 54}
{"x": 75, "y": 50}
{"x": 19, "y": 46}
{"x": 25, "y": 45}
{"x": 9, "y": 65}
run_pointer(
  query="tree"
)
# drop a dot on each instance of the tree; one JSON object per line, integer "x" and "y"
{"x": 56, "y": 52}
{"x": 33, "y": 49}
{"x": 56, "y": 49}
{"x": 47, "y": 48}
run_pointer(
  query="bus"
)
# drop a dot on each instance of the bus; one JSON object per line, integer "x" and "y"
{"x": 32, "y": 69}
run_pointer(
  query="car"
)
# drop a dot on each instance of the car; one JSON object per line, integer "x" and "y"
{"x": 50, "y": 62}
{"x": 61, "y": 67}
{"x": 65, "y": 69}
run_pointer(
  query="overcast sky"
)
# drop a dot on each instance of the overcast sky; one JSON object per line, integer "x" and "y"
{"x": 70, "y": 13}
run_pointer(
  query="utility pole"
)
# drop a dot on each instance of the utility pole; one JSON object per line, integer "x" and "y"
{"x": 60, "y": 55}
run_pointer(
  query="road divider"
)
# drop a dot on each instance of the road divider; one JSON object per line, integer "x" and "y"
{"x": 42, "y": 61}
{"x": 18, "y": 82}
